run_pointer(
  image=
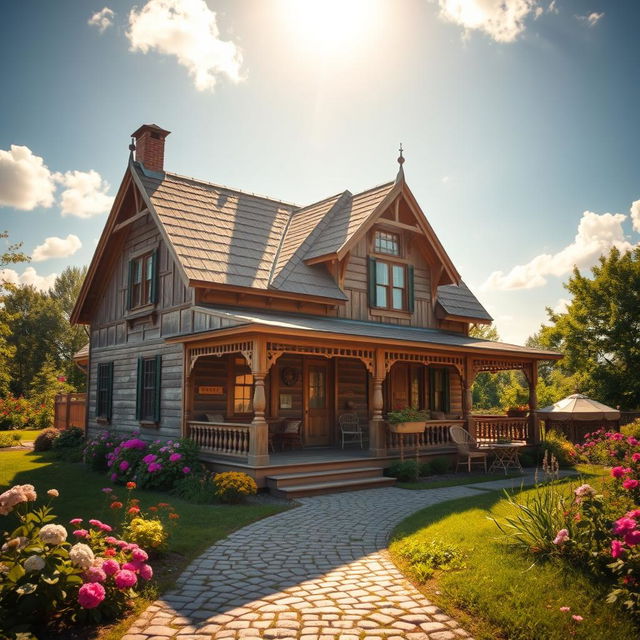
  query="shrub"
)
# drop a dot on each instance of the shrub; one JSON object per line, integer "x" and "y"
{"x": 557, "y": 445}
{"x": 632, "y": 429}
{"x": 20, "y": 413}
{"x": 45, "y": 439}
{"x": 147, "y": 532}
{"x": 165, "y": 463}
{"x": 607, "y": 447}
{"x": 425, "y": 469}
{"x": 97, "y": 449}
{"x": 233, "y": 486}
{"x": 408, "y": 414}
{"x": 424, "y": 557}
{"x": 69, "y": 438}
{"x": 9, "y": 440}
{"x": 196, "y": 487}
{"x": 527, "y": 459}
{"x": 407, "y": 471}
{"x": 124, "y": 460}
{"x": 439, "y": 465}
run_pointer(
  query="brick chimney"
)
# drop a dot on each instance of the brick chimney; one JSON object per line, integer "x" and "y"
{"x": 150, "y": 146}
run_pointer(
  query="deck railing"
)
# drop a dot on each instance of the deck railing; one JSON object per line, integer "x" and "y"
{"x": 492, "y": 428}
{"x": 222, "y": 438}
{"x": 435, "y": 435}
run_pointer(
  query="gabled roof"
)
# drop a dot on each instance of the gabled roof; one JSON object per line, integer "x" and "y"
{"x": 459, "y": 301}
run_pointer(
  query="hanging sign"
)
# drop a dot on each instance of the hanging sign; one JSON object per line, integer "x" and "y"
{"x": 210, "y": 391}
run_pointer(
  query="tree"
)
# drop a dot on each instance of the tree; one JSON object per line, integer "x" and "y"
{"x": 599, "y": 334}
{"x": 46, "y": 384}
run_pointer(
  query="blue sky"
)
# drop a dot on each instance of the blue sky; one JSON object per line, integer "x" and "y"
{"x": 518, "y": 119}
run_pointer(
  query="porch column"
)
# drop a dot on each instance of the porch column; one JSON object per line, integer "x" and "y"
{"x": 259, "y": 438}
{"x": 534, "y": 426}
{"x": 377, "y": 435}
{"x": 467, "y": 395}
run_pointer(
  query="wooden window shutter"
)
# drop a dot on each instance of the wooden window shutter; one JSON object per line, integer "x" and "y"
{"x": 410, "y": 289}
{"x": 155, "y": 272}
{"x": 139, "y": 388}
{"x": 156, "y": 389}
{"x": 446, "y": 393}
{"x": 373, "y": 299}
{"x": 432, "y": 388}
{"x": 109, "y": 408}
{"x": 130, "y": 285}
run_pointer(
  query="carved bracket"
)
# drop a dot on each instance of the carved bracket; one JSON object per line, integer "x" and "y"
{"x": 391, "y": 357}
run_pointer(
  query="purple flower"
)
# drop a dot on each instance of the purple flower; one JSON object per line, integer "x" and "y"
{"x": 186, "y": 470}
{"x": 135, "y": 443}
{"x": 114, "y": 477}
{"x": 153, "y": 467}
{"x": 174, "y": 457}
{"x": 149, "y": 458}
{"x": 124, "y": 465}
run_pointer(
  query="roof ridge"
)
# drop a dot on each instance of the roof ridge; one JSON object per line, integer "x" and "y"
{"x": 276, "y": 257}
{"x": 318, "y": 202}
{"x": 378, "y": 186}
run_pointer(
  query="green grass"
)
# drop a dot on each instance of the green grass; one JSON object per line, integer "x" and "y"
{"x": 199, "y": 526}
{"x": 468, "y": 478}
{"x": 500, "y": 593}
{"x": 25, "y": 434}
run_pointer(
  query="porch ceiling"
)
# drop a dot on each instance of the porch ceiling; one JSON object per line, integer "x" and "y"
{"x": 245, "y": 320}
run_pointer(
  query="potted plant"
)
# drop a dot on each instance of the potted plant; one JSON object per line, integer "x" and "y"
{"x": 518, "y": 411}
{"x": 407, "y": 420}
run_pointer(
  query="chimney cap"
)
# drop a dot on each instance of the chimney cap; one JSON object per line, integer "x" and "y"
{"x": 150, "y": 127}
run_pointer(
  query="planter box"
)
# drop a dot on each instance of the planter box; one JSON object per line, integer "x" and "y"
{"x": 407, "y": 427}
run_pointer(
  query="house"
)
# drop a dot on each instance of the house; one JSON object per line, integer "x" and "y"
{"x": 226, "y": 316}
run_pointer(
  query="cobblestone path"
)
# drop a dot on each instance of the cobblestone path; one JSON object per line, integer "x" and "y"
{"x": 317, "y": 572}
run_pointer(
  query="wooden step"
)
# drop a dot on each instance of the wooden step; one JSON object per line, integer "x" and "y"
{"x": 310, "y": 477}
{"x": 317, "y": 488}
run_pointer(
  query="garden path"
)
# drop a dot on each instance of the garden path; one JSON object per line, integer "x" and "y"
{"x": 316, "y": 572}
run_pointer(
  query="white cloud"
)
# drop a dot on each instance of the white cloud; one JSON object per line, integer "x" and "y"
{"x": 85, "y": 194}
{"x": 54, "y": 247}
{"x": 25, "y": 181}
{"x": 635, "y": 215}
{"x": 592, "y": 18}
{"x": 503, "y": 20}
{"x": 445, "y": 179}
{"x": 597, "y": 235}
{"x": 553, "y": 7}
{"x": 28, "y": 277}
{"x": 187, "y": 29}
{"x": 561, "y": 305}
{"x": 102, "y": 19}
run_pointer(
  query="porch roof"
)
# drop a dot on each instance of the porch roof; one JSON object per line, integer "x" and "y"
{"x": 301, "y": 324}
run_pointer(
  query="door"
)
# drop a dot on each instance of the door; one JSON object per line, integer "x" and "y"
{"x": 318, "y": 424}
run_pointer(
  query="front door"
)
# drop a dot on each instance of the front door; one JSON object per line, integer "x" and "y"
{"x": 318, "y": 422}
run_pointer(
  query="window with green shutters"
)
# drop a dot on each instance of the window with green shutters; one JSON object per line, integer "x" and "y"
{"x": 142, "y": 283}
{"x": 104, "y": 392}
{"x": 148, "y": 389}
{"x": 391, "y": 285}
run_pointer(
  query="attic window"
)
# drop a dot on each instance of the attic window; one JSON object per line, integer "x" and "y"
{"x": 388, "y": 243}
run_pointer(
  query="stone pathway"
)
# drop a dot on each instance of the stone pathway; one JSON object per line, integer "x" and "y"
{"x": 317, "y": 572}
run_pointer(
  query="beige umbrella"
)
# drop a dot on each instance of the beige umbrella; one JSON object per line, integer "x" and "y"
{"x": 578, "y": 408}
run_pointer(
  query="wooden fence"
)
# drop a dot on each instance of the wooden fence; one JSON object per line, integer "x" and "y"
{"x": 70, "y": 410}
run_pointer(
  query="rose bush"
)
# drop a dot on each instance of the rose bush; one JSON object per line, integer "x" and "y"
{"x": 165, "y": 463}
{"x": 123, "y": 461}
{"x": 97, "y": 449}
{"x": 21, "y": 413}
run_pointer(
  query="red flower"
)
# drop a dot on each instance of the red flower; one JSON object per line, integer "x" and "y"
{"x": 131, "y": 485}
{"x": 174, "y": 516}
{"x": 116, "y": 505}
{"x": 134, "y": 510}
{"x": 109, "y": 552}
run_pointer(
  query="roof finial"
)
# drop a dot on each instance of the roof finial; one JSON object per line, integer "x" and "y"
{"x": 400, "y": 175}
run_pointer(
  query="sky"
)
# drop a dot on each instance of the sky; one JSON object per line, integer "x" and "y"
{"x": 518, "y": 118}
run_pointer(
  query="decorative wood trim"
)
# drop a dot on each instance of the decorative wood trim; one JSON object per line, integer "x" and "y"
{"x": 276, "y": 349}
{"x": 132, "y": 219}
{"x": 390, "y": 313}
{"x": 391, "y": 357}
{"x": 246, "y": 348}
{"x": 492, "y": 365}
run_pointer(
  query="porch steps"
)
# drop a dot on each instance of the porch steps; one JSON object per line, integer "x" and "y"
{"x": 312, "y": 483}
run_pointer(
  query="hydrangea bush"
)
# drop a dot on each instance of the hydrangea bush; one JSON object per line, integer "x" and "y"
{"x": 50, "y": 576}
{"x": 165, "y": 463}
{"x": 123, "y": 461}
{"x": 97, "y": 449}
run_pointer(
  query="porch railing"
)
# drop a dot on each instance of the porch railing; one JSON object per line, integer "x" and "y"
{"x": 222, "y": 438}
{"x": 493, "y": 428}
{"x": 435, "y": 435}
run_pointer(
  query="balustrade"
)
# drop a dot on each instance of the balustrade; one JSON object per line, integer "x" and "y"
{"x": 223, "y": 438}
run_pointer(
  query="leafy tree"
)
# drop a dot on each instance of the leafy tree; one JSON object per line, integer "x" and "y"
{"x": 46, "y": 384}
{"x": 599, "y": 334}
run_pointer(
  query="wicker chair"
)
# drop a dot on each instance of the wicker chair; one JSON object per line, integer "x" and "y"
{"x": 290, "y": 436}
{"x": 350, "y": 428}
{"x": 469, "y": 453}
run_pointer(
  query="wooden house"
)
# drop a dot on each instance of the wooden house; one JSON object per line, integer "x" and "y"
{"x": 231, "y": 317}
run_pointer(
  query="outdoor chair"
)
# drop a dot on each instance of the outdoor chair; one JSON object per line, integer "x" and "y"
{"x": 290, "y": 436}
{"x": 469, "y": 453}
{"x": 350, "y": 428}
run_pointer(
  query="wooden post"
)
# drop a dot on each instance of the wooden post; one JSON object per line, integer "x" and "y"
{"x": 259, "y": 436}
{"x": 467, "y": 395}
{"x": 377, "y": 436}
{"x": 534, "y": 427}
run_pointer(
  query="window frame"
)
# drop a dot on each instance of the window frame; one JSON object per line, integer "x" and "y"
{"x": 379, "y": 250}
{"x": 439, "y": 399}
{"x": 142, "y": 282}
{"x": 389, "y": 287}
{"x": 240, "y": 369}
{"x": 149, "y": 389}
{"x": 104, "y": 391}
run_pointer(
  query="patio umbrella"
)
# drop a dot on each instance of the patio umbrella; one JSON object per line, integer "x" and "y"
{"x": 579, "y": 408}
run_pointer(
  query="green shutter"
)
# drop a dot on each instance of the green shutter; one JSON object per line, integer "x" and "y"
{"x": 154, "y": 276}
{"x": 156, "y": 389}
{"x": 410, "y": 289}
{"x": 130, "y": 285}
{"x": 139, "y": 387}
{"x": 373, "y": 301}
{"x": 432, "y": 388}
{"x": 446, "y": 395}
{"x": 109, "y": 407}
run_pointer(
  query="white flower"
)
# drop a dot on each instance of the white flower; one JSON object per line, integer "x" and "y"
{"x": 585, "y": 490}
{"x": 53, "y": 534}
{"x": 81, "y": 555}
{"x": 54, "y": 493}
{"x": 16, "y": 495}
{"x": 34, "y": 563}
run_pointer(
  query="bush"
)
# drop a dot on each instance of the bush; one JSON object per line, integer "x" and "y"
{"x": 557, "y": 445}
{"x": 424, "y": 557}
{"x": 425, "y": 469}
{"x": 45, "y": 439}
{"x": 165, "y": 463}
{"x": 20, "y": 413}
{"x": 147, "y": 532}
{"x": 440, "y": 465}
{"x": 9, "y": 440}
{"x": 527, "y": 459}
{"x": 407, "y": 471}
{"x": 69, "y": 438}
{"x": 196, "y": 487}
{"x": 607, "y": 447}
{"x": 98, "y": 448}
{"x": 632, "y": 429}
{"x": 233, "y": 486}
{"x": 123, "y": 461}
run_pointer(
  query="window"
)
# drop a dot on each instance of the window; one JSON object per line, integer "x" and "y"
{"x": 142, "y": 286}
{"x": 390, "y": 285}
{"x": 104, "y": 393}
{"x": 388, "y": 243}
{"x": 439, "y": 390}
{"x": 243, "y": 387}
{"x": 148, "y": 389}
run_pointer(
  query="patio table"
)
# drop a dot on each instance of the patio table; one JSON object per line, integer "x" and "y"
{"x": 506, "y": 456}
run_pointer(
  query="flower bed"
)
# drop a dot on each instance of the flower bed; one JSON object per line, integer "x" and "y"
{"x": 21, "y": 413}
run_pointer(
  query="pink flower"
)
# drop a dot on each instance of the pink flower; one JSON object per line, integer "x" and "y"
{"x": 75, "y": 521}
{"x": 146, "y": 572}
{"x": 624, "y": 525}
{"x": 153, "y": 467}
{"x": 105, "y": 527}
{"x": 91, "y": 595}
{"x": 174, "y": 457}
{"x": 617, "y": 548}
{"x": 125, "y": 579}
{"x": 95, "y": 574}
{"x": 635, "y": 513}
{"x": 630, "y": 483}
{"x": 114, "y": 476}
{"x": 561, "y": 537}
{"x": 81, "y": 533}
{"x": 122, "y": 543}
{"x": 140, "y": 555}
{"x": 134, "y": 443}
{"x": 107, "y": 490}
{"x": 632, "y": 538}
{"x": 565, "y": 609}
{"x": 123, "y": 466}
{"x": 111, "y": 540}
{"x": 149, "y": 458}
{"x": 578, "y": 618}
{"x": 618, "y": 472}
{"x": 186, "y": 470}
{"x": 95, "y": 523}
{"x": 110, "y": 566}
{"x": 636, "y": 457}
{"x": 131, "y": 566}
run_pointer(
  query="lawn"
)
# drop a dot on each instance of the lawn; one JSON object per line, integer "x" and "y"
{"x": 499, "y": 593}
{"x": 460, "y": 479}
{"x": 199, "y": 525}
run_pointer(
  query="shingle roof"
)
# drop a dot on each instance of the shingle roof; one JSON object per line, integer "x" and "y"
{"x": 457, "y": 300}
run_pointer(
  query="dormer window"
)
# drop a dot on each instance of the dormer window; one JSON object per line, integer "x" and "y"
{"x": 387, "y": 243}
{"x": 390, "y": 285}
{"x": 142, "y": 286}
